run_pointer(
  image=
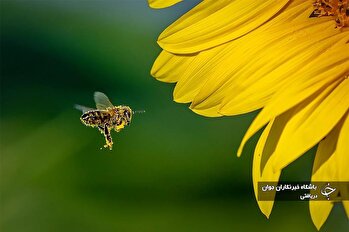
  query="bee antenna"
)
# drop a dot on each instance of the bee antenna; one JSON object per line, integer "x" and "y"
{"x": 139, "y": 111}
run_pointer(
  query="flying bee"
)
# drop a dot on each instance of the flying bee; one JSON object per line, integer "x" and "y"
{"x": 106, "y": 117}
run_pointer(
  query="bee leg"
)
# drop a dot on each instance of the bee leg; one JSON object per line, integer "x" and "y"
{"x": 101, "y": 129}
{"x": 107, "y": 136}
{"x": 118, "y": 128}
{"x": 106, "y": 132}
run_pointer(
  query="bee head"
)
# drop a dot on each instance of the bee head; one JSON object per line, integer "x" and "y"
{"x": 127, "y": 113}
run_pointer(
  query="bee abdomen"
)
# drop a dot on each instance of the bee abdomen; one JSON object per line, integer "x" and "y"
{"x": 94, "y": 118}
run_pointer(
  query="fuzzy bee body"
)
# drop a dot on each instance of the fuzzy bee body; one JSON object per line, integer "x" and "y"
{"x": 115, "y": 117}
{"x": 106, "y": 117}
{"x": 96, "y": 117}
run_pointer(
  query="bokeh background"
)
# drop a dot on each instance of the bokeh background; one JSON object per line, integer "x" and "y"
{"x": 170, "y": 170}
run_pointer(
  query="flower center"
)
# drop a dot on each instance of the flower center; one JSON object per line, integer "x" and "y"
{"x": 337, "y": 8}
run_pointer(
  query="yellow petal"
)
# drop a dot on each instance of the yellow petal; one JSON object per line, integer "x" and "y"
{"x": 169, "y": 67}
{"x": 261, "y": 168}
{"x": 264, "y": 155}
{"x": 328, "y": 166}
{"x": 343, "y": 149}
{"x": 342, "y": 158}
{"x": 253, "y": 88}
{"x": 306, "y": 84}
{"x": 196, "y": 74}
{"x": 212, "y": 23}
{"x": 252, "y": 69}
{"x": 310, "y": 124}
{"x": 319, "y": 211}
{"x": 346, "y": 207}
{"x": 162, "y": 3}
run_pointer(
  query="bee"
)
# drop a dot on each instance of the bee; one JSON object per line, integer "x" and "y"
{"x": 106, "y": 117}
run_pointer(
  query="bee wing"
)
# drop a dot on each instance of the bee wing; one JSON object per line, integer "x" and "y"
{"x": 102, "y": 101}
{"x": 83, "y": 108}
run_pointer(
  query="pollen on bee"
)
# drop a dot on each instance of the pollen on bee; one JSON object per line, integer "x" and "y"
{"x": 337, "y": 8}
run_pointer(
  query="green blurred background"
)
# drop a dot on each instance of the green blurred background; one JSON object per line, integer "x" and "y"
{"x": 170, "y": 170}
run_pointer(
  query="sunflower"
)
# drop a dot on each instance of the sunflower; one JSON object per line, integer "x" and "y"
{"x": 288, "y": 58}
